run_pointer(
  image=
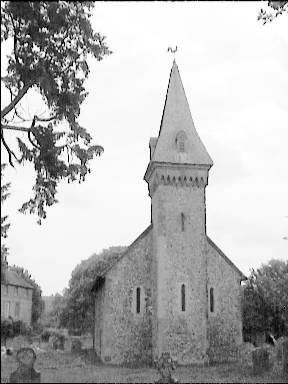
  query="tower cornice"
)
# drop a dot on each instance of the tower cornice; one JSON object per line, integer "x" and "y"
{"x": 161, "y": 165}
{"x": 176, "y": 174}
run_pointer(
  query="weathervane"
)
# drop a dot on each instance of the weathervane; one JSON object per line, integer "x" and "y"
{"x": 172, "y": 50}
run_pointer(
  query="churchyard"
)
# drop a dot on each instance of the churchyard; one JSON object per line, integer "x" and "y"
{"x": 81, "y": 366}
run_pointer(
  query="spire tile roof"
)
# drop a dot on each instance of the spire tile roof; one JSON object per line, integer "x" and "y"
{"x": 177, "y": 119}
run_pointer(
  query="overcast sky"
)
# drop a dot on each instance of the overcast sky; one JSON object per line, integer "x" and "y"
{"x": 235, "y": 74}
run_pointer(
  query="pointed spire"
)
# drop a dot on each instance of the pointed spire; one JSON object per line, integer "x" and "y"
{"x": 177, "y": 122}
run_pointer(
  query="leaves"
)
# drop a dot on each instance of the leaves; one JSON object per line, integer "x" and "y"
{"x": 78, "y": 311}
{"x": 4, "y": 225}
{"x": 266, "y": 299}
{"x": 52, "y": 41}
{"x": 276, "y": 8}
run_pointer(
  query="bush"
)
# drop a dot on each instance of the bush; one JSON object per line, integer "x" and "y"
{"x": 6, "y": 329}
{"x": 45, "y": 336}
{"x": 10, "y": 329}
{"x": 20, "y": 328}
{"x": 38, "y": 328}
{"x": 52, "y": 334}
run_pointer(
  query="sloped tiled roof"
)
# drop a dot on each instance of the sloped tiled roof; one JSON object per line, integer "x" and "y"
{"x": 13, "y": 278}
{"x": 177, "y": 118}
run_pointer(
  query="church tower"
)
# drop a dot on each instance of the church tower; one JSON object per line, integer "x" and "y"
{"x": 177, "y": 176}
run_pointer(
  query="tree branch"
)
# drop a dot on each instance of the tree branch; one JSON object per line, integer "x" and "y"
{"x": 13, "y": 103}
{"x": 30, "y": 131}
{"x": 31, "y": 141}
{"x": 19, "y": 116}
{"x": 15, "y": 128}
{"x": 46, "y": 119}
{"x": 10, "y": 152}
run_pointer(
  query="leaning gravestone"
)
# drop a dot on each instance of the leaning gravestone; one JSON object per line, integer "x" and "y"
{"x": 260, "y": 358}
{"x": 25, "y": 373}
{"x": 165, "y": 365}
{"x": 285, "y": 357}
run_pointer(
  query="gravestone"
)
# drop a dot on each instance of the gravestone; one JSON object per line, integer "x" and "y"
{"x": 76, "y": 345}
{"x": 260, "y": 359}
{"x": 165, "y": 365}
{"x": 25, "y": 373}
{"x": 57, "y": 342}
{"x": 285, "y": 357}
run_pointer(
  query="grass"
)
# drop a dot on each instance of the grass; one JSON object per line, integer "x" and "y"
{"x": 65, "y": 367}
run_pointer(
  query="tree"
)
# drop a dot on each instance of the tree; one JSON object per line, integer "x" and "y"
{"x": 276, "y": 8}
{"x": 52, "y": 41}
{"x": 54, "y": 317}
{"x": 4, "y": 225}
{"x": 37, "y": 301}
{"x": 266, "y": 299}
{"x": 78, "y": 312}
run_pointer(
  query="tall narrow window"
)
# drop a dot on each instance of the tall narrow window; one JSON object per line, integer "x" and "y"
{"x": 182, "y": 222}
{"x": 212, "y": 300}
{"x": 7, "y": 309}
{"x": 138, "y": 303}
{"x": 17, "y": 310}
{"x": 183, "y": 303}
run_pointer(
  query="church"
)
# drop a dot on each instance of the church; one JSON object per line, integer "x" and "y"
{"x": 173, "y": 290}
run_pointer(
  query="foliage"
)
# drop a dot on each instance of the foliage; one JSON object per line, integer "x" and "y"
{"x": 165, "y": 365}
{"x": 54, "y": 336}
{"x": 4, "y": 225}
{"x": 6, "y": 329}
{"x": 45, "y": 336}
{"x": 78, "y": 312}
{"x": 10, "y": 329}
{"x": 4, "y": 195}
{"x": 265, "y": 306}
{"x": 21, "y": 328}
{"x": 53, "y": 317}
{"x": 276, "y": 8}
{"x": 52, "y": 41}
{"x": 37, "y": 301}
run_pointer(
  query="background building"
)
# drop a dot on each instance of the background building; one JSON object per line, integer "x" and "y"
{"x": 16, "y": 295}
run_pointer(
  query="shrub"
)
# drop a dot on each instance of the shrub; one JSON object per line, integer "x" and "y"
{"x": 52, "y": 335}
{"x": 6, "y": 329}
{"x": 20, "y": 328}
{"x": 45, "y": 336}
{"x": 10, "y": 329}
{"x": 38, "y": 328}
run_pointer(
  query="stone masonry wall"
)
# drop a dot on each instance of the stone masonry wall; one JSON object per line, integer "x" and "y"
{"x": 126, "y": 336}
{"x": 180, "y": 259}
{"x": 225, "y": 324}
{"x": 99, "y": 300}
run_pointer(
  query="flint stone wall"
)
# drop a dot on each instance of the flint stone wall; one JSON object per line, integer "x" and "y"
{"x": 180, "y": 259}
{"x": 225, "y": 324}
{"x": 122, "y": 335}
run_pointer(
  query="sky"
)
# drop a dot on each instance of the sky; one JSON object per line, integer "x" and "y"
{"x": 235, "y": 74}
